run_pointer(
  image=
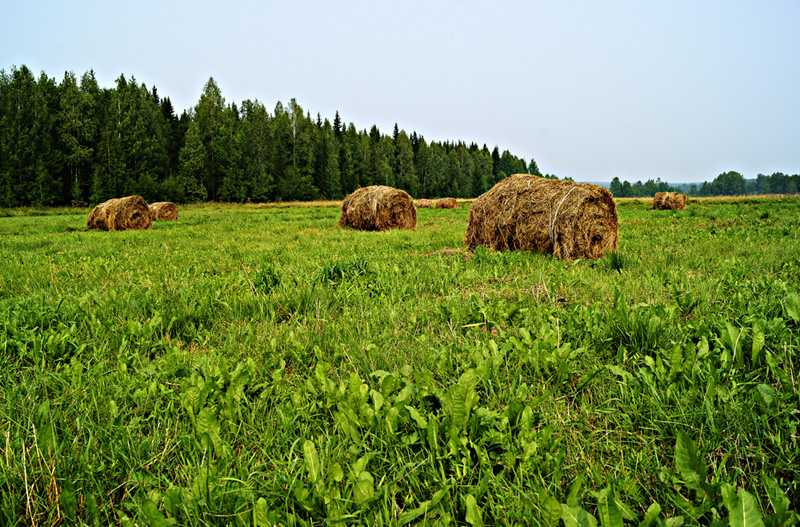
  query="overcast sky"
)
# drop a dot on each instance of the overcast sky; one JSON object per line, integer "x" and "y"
{"x": 680, "y": 90}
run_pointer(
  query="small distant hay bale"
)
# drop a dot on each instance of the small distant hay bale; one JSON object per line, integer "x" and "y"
{"x": 669, "y": 201}
{"x": 550, "y": 216}
{"x": 424, "y": 204}
{"x": 121, "y": 214}
{"x": 446, "y": 203}
{"x": 378, "y": 208}
{"x": 164, "y": 210}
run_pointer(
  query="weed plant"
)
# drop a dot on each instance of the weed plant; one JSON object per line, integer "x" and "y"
{"x": 252, "y": 365}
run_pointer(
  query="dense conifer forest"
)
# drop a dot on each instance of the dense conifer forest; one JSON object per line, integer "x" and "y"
{"x": 73, "y": 142}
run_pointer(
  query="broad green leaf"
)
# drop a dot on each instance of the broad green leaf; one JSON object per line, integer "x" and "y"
{"x": 653, "y": 512}
{"x": 551, "y": 512}
{"x": 793, "y": 307}
{"x": 767, "y": 393}
{"x": 744, "y": 511}
{"x": 425, "y": 507}
{"x": 572, "y": 497}
{"x": 730, "y": 336}
{"x": 359, "y": 466}
{"x": 607, "y": 509}
{"x": 577, "y": 517}
{"x": 336, "y": 473}
{"x": 473, "y": 515}
{"x": 758, "y": 344}
{"x": 377, "y": 398}
{"x": 688, "y": 465}
{"x": 153, "y": 516}
{"x": 364, "y": 489}
{"x": 311, "y": 460}
{"x": 261, "y": 514}
{"x": 207, "y": 423}
{"x": 777, "y": 498}
{"x": 417, "y": 417}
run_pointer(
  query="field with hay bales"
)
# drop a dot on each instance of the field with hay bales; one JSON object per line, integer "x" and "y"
{"x": 260, "y": 365}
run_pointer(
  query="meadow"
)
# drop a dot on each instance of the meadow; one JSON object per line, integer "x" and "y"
{"x": 258, "y": 365}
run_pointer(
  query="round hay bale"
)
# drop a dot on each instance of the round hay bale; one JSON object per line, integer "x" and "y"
{"x": 120, "y": 214}
{"x": 424, "y": 204}
{"x": 378, "y": 208}
{"x": 566, "y": 219}
{"x": 669, "y": 201}
{"x": 446, "y": 203}
{"x": 164, "y": 210}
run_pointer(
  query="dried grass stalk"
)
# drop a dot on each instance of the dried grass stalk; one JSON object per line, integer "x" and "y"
{"x": 566, "y": 219}
{"x": 164, "y": 210}
{"x": 446, "y": 203}
{"x": 424, "y": 204}
{"x": 669, "y": 201}
{"x": 120, "y": 214}
{"x": 378, "y": 208}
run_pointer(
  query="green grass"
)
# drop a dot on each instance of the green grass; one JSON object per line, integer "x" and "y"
{"x": 259, "y": 365}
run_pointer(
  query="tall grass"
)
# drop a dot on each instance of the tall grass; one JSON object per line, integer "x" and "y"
{"x": 253, "y": 365}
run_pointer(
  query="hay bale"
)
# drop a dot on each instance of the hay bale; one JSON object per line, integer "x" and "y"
{"x": 120, "y": 214}
{"x": 378, "y": 208}
{"x": 424, "y": 204}
{"x": 566, "y": 219}
{"x": 669, "y": 201}
{"x": 446, "y": 203}
{"x": 163, "y": 210}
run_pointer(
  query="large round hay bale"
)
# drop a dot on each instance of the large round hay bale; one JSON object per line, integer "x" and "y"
{"x": 551, "y": 216}
{"x": 163, "y": 210}
{"x": 424, "y": 204}
{"x": 120, "y": 214}
{"x": 378, "y": 208}
{"x": 669, "y": 201}
{"x": 446, "y": 203}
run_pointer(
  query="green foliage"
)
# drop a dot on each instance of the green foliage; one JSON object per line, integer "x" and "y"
{"x": 258, "y": 365}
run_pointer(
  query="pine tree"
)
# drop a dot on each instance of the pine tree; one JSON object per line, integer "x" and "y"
{"x": 405, "y": 175}
{"x": 255, "y": 140}
{"x": 616, "y": 187}
{"x": 233, "y": 186}
{"x": 208, "y": 122}
{"x": 422, "y": 167}
{"x": 48, "y": 162}
{"x": 18, "y": 141}
{"x": 76, "y": 133}
{"x": 299, "y": 183}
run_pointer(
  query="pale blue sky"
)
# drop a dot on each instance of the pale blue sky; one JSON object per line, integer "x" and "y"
{"x": 681, "y": 90}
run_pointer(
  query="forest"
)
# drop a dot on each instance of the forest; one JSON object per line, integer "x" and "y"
{"x": 74, "y": 142}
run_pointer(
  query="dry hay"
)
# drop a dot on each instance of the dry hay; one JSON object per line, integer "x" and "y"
{"x": 424, "y": 204}
{"x": 378, "y": 208}
{"x": 164, "y": 210}
{"x": 669, "y": 201}
{"x": 446, "y": 203}
{"x": 120, "y": 214}
{"x": 566, "y": 219}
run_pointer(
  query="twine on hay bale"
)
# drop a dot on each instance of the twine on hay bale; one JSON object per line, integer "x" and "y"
{"x": 120, "y": 214}
{"x": 163, "y": 210}
{"x": 378, "y": 208}
{"x": 550, "y": 216}
{"x": 424, "y": 204}
{"x": 446, "y": 203}
{"x": 669, "y": 201}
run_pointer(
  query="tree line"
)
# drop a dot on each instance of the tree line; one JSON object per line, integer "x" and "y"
{"x": 74, "y": 142}
{"x": 726, "y": 184}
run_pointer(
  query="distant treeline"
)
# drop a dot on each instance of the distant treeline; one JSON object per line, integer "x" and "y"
{"x": 725, "y": 184}
{"x": 73, "y": 142}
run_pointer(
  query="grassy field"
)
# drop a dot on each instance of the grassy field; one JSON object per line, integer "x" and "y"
{"x": 258, "y": 365}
